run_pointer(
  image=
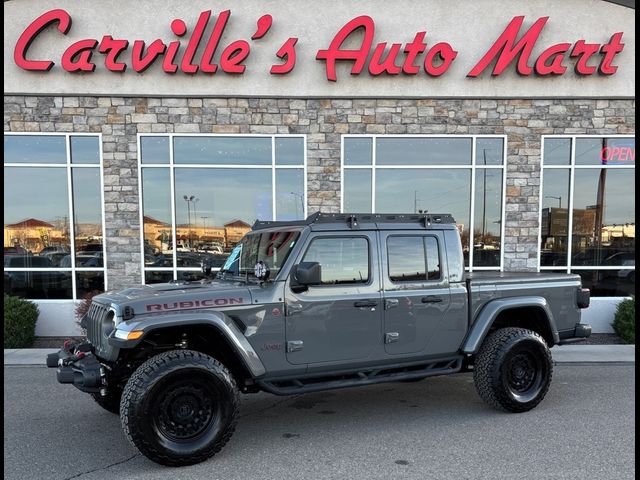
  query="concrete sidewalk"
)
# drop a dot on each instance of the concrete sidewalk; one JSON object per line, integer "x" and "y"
{"x": 561, "y": 354}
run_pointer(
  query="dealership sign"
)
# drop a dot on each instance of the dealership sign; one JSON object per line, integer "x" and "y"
{"x": 190, "y": 51}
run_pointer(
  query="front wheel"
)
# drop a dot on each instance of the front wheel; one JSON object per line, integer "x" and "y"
{"x": 513, "y": 369}
{"x": 180, "y": 407}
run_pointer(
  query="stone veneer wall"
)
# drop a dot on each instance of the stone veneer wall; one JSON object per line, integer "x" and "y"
{"x": 324, "y": 121}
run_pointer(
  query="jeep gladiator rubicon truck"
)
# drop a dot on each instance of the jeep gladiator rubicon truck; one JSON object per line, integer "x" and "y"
{"x": 336, "y": 300}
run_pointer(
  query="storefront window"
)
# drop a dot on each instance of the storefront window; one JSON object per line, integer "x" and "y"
{"x": 591, "y": 201}
{"x": 460, "y": 175}
{"x": 202, "y": 193}
{"x": 53, "y": 230}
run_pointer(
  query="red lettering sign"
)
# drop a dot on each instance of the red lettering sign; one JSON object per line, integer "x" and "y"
{"x": 618, "y": 155}
{"x": 180, "y": 54}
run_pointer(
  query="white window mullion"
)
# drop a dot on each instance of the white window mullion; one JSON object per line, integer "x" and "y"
{"x": 570, "y": 216}
{"x": 72, "y": 226}
{"x": 174, "y": 230}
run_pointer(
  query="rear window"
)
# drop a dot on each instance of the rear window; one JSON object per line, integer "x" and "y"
{"x": 413, "y": 258}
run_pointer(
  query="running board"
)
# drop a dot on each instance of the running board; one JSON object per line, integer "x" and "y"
{"x": 315, "y": 383}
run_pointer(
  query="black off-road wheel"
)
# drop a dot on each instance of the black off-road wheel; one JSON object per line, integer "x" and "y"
{"x": 110, "y": 402}
{"x": 180, "y": 407}
{"x": 513, "y": 369}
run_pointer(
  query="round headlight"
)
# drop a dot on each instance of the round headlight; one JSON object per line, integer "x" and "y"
{"x": 108, "y": 324}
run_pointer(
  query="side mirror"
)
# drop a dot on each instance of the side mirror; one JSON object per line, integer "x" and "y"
{"x": 306, "y": 274}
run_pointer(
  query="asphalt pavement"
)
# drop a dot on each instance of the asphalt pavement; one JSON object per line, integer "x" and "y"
{"x": 434, "y": 429}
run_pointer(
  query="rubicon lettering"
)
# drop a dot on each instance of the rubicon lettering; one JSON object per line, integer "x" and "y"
{"x": 191, "y": 304}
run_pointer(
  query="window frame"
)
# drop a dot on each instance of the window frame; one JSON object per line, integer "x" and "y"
{"x": 472, "y": 167}
{"x": 426, "y": 264}
{"x": 171, "y": 166}
{"x": 68, "y": 166}
{"x": 370, "y": 275}
{"x": 572, "y": 167}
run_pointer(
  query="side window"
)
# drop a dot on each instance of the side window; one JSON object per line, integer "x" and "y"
{"x": 343, "y": 260}
{"x": 406, "y": 259}
{"x": 433, "y": 258}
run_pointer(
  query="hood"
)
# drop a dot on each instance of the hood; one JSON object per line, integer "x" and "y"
{"x": 167, "y": 297}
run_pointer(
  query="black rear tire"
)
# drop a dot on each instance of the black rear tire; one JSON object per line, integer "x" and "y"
{"x": 180, "y": 407}
{"x": 513, "y": 369}
{"x": 110, "y": 402}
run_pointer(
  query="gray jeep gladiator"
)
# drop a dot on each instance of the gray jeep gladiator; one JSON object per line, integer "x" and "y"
{"x": 336, "y": 300}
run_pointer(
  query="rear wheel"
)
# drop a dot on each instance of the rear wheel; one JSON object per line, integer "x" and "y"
{"x": 513, "y": 369}
{"x": 180, "y": 407}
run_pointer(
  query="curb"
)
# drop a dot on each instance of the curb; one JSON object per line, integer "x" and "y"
{"x": 565, "y": 354}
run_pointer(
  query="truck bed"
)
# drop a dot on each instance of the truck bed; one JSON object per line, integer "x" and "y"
{"x": 559, "y": 290}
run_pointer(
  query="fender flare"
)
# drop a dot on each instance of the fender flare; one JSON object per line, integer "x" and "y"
{"x": 492, "y": 309}
{"x": 217, "y": 320}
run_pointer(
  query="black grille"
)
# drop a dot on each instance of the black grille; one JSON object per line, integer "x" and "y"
{"x": 97, "y": 313}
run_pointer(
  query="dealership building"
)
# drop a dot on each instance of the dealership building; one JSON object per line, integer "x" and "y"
{"x": 141, "y": 137}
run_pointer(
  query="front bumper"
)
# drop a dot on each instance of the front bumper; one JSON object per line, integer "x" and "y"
{"x": 580, "y": 332}
{"x": 76, "y": 364}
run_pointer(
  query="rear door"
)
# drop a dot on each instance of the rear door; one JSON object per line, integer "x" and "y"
{"x": 340, "y": 320}
{"x": 416, "y": 291}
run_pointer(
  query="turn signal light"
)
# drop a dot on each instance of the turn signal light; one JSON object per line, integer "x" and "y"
{"x": 136, "y": 334}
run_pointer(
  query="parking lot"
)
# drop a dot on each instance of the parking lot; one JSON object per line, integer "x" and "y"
{"x": 438, "y": 428}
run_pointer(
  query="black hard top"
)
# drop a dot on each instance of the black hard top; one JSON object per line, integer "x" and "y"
{"x": 357, "y": 221}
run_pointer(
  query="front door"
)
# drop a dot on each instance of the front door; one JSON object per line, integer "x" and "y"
{"x": 416, "y": 292}
{"x": 341, "y": 319}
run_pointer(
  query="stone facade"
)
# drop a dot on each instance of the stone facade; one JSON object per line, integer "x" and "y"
{"x": 119, "y": 120}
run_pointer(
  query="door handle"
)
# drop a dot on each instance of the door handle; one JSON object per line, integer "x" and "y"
{"x": 365, "y": 303}
{"x": 390, "y": 303}
{"x": 431, "y": 299}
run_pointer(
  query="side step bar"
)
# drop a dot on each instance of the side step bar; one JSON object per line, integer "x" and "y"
{"x": 315, "y": 383}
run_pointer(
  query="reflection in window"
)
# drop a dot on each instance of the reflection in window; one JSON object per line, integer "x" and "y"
{"x": 85, "y": 149}
{"x": 422, "y": 190}
{"x": 41, "y": 227}
{"x": 154, "y": 149}
{"x": 555, "y": 217}
{"x": 35, "y": 149}
{"x": 487, "y": 218}
{"x": 602, "y": 225}
{"x": 407, "y": 261}
{"x": 489, "y": 151}
{"x": 289, "y": 199}
{"x": 358, "y": 151}
{"x": 214, "y": 205}
{"x": 557, "y": 151}
{"x": 423, "y": 151}
{"x": 603, "y": 216}
{"x": 433, "y": 258}
{"x": 342, "y": 260}
{"x": 413, "y": 174}
{"x": 222, "y": 150}
{"x": 289, "y": 150}
{"x": 357, "y": 191}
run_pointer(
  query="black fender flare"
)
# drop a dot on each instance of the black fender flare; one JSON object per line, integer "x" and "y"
{"x": 492, "y": 309}
{"x": 218, "y": 320}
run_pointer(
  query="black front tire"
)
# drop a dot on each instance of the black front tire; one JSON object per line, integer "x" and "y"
{"x": 513, "y": 369}
{"x": 180, "y": 407}
{"x": 110, "y": 402}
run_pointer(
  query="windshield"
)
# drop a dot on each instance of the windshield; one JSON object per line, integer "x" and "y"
{"x": 272, "y": 248}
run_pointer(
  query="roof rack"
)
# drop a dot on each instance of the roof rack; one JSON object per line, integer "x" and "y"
{"x": 353, "y": 220}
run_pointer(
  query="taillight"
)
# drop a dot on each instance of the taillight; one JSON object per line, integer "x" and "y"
{"x": 584, "y": 297}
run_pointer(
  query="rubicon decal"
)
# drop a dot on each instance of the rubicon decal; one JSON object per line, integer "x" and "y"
{"x": 191, "y": 304}
{"x": 431, "y": 57}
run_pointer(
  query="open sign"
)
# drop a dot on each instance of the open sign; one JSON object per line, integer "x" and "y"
{"x": 619, "y": 154}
